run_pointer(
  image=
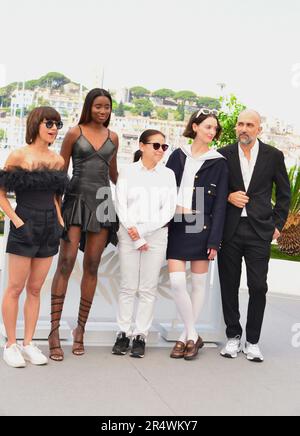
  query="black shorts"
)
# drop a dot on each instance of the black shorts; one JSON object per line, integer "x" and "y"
{"x": 39, "y": 237}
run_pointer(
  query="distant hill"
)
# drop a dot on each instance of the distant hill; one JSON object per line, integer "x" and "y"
{"x": 54, "y": 80}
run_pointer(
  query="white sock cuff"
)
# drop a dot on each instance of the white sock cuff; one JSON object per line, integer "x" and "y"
{"x": 178, "y": 281}
{"x": 199, "y": 279}
{"x": 178, "y": 275}
{"x": 196, "y": 275}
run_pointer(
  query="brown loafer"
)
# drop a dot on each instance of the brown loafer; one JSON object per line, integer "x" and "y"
{"x": 193, "y": 348}
{"x": 178, "y": 350}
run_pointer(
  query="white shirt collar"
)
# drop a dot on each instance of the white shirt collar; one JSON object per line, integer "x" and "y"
{"x": 143, "y": 168}
{"x": 254, "y": 150}
{"x": 209, "y": 155}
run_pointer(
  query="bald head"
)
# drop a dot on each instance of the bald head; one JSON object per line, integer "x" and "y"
{"x": 248, "y": 127}
{"x": 250, "y": 113}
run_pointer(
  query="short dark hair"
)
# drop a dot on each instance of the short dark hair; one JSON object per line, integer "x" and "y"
{"x": 86, "y": 114}
{"x": 189, "y": 132}
{"x": 145, "y": 136}
{"x": 36, "y": 117}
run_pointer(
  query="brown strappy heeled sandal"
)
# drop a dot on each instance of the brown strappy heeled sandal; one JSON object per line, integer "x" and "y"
{"x": 84, "y": 310}
{"x": 57, "y": 304}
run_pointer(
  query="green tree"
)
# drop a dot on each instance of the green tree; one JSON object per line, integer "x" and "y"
{"x": 162, "y": 113}
{"x": 231, "y": 108}
{"x": 179, "y": 114}
{"x": 184, "y": 96}
{"x": 2, "y": 134}
{"x": 139, "y": 92}
{"x": 53, "y": 80}
{"x": 41, "y": 101}
{"x": 164, "y": 93}
{"x": 114, "y": 105}
{"x": 211, "y": 103}
{"x": 5, "y": 94}
{"x": 142, "y": 106}
{"x": 120, "y": 111}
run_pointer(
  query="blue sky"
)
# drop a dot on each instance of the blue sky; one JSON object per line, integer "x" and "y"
{"x": 252, "y": 46}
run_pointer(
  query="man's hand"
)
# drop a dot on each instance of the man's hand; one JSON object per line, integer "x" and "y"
{"x": 239, "y": 199}
{"x": 276, "y": 234}
{"x": 134, "y": 234}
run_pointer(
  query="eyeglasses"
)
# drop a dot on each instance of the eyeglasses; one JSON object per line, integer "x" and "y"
{"x": 157, "y": 145}
{"x": 49, "y": 124}
{"x": 206, "y": 111}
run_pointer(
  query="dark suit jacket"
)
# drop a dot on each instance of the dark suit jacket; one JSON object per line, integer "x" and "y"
{"x": 213, "y": 177}
{"x": 270, "y": 168}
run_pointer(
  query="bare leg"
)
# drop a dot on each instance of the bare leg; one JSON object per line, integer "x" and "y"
{"x": 18, "y": 271}
{"x": 200, "y": 266}
{"x": 39, "y": 271}
{"x": 66, "y": 261}
{"x": 95, "y": 245}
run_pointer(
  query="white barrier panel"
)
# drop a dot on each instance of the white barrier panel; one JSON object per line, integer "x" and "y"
{"x": 210, "y": 323}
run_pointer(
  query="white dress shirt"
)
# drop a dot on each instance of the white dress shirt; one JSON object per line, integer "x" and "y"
{"x": 193, "y": 164}
{"x": 145, "y": 199}
{"x": 247, "y": 167}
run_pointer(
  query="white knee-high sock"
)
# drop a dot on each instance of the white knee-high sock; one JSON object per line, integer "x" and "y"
{"x": 183, "y": 303}
{"x": 197, "y": 298}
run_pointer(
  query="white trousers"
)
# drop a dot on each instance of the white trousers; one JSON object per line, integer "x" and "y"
{"x": 139, "y": 275}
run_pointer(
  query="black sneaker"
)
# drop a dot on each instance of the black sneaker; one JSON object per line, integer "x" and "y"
{"x": 138, "y": 347}
{"x": 122, "y": 345}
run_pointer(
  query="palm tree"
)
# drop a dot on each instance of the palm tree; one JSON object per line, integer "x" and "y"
{"x": 289, "y": 241}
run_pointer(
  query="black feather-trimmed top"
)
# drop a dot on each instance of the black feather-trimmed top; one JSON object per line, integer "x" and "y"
{"x": 18, "y": 180}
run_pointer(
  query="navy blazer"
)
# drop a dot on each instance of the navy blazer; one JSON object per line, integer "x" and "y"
{"x": 269, "y": 169}
{"x": 213, "y": 177}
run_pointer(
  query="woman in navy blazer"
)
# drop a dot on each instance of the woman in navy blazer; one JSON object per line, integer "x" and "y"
{"x": 195, "y": 233}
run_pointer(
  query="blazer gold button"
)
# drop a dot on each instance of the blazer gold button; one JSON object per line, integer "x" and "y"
{"x": 209, "y": 192}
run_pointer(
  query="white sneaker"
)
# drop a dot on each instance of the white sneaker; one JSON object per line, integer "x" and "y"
{"x": 33, "y": 354}
{"x": 253, "y": 353}
{"x": 13, "y": 357}
{"x": 232, "y": 348}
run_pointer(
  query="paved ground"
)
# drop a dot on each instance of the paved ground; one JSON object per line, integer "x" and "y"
{"x": 101, "y": 384}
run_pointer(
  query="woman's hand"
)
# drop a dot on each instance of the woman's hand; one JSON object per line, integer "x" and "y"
{"x": 18, "y": 223}
{"x": 134, "y": 234}
{"x": 144, "y": 247}
{"x": 61, "y": 221}
{"x": 212, "y": 254}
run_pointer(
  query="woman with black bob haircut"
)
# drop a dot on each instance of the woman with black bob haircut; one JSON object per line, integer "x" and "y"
{"x": 88, "y": 212}
{"x": 195, "y": 233}
{"x": 35, "y": 174}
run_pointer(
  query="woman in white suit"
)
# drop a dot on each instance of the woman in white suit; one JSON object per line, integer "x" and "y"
{"x": 146, "y": 195}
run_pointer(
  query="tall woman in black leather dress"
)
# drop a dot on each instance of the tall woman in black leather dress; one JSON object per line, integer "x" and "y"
{"x": 93, "y": 149}
{"x": 35, "y": 174}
